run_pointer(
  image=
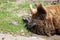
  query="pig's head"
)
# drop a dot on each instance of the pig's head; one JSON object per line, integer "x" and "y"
{"x": 37, "y": 23}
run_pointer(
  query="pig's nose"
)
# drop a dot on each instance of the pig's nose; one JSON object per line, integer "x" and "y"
{"x": 25, "y": 20}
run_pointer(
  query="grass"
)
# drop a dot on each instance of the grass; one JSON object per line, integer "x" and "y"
{"x": 5, "y": 22}
{"x": 5, "y": 1}
{"x": 8, "y": 13}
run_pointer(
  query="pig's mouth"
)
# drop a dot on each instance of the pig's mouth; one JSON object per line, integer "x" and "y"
{"x": 29, "y": 22}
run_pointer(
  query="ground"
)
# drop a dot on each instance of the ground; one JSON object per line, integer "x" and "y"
{"x": 34, "y": 37}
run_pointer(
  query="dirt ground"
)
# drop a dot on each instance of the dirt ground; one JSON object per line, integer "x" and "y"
{"x": 34, "y": 37}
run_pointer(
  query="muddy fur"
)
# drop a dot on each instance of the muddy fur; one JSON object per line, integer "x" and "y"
{"x": 45, "y": 21}
{"x": 54, "y": 10}
{"x": 38, "y": 26}
{"x": 45, "y": 25}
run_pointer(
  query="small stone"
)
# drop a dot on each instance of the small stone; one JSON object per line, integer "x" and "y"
{"x": 3, "y": 38}
{"x": 22, "y": 32}
{"x": 14, "y": 23}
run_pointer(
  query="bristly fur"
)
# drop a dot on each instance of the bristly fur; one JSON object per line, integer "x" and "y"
{"x": 50, "y": 18}
{"x": 55, "y": 12}
{"x": 47, "y": 19}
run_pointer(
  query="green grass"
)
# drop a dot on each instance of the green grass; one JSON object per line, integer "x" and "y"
{"x": 6, "y": 18}
{"x": 7, "y": 26}
{"x": 4, "y": 1}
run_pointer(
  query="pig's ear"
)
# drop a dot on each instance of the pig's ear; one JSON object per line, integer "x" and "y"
{"x": 33, "y": 11}
{"x": 41, "y": 9}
